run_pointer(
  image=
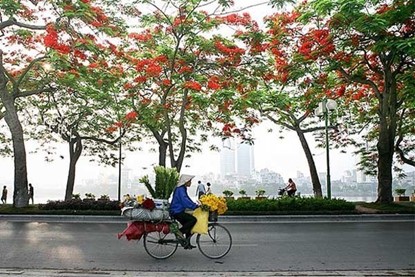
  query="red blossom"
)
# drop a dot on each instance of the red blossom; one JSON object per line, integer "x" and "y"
{"x": 111, "y": 129}
{"x": 193, "y": 85}
{"x": 51, "y": 38}
{"x": 213, "y": 83}
{"x": 340, "y": 91}
{"x": 166, "y": 82}
{"x": 140, "y": 79}
{"x": 93, "y": 65}
{"x": 143, "y": 37}
{"x": 185, "y": 69}
{"x": 131, "y": 116}
{"x": 154, "y": 70}
{"x": 80, "y": 54}
{"x": 128, "y": 86}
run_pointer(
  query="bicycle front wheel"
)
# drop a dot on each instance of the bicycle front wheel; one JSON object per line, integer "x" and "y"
{"x": 216, "y": 243}
{"x": 159, "y": 245}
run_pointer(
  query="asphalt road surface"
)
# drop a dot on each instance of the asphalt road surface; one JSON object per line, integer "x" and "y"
{"x": 257, "y": 247}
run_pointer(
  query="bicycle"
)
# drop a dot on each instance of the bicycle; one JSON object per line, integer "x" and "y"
{"x": 213, "y": 245}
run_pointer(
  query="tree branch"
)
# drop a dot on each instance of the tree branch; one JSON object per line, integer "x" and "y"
{"x": 12, "y": 21}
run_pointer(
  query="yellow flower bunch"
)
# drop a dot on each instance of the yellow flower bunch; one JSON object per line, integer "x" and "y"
{"x": 214, "y": 203}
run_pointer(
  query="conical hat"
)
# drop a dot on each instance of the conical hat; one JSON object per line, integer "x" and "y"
{"x": 184, "y": 178}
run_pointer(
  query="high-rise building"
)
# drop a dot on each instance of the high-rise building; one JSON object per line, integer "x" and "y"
{"x": 245, "y": 159}
{"x": 236, "y": 158}
{"x": 227, "y": 158}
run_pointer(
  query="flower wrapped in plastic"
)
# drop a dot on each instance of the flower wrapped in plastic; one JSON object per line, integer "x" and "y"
{"x": 211, "y": 202}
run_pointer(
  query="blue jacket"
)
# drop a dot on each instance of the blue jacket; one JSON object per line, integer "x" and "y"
{"x": 181, "y": 201}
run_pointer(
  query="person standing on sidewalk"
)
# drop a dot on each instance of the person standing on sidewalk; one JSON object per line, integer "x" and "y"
{"x": 200, "y": 190}
{"x": 31, "y": 193}
{"x": 4, "y": 195}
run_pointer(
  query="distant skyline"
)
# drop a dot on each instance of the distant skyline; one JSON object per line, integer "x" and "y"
{"x": 284, "y": 156}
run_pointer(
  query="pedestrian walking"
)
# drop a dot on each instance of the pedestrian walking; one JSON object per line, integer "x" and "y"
{"x": 200, "y": 190}
{"x": 208, "y": 190}
{"x": 4, "y": 195}
{"x": 31, "y": 193}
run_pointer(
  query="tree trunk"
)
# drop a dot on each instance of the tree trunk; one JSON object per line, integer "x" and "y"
{"x": 20, "y": 195}
{"x": 385, "y": 150}
{"x": 386, "y": 141}
{"x": 311, "y": 164}
{"x": 162, "y": 153}
{"x": 75, "y": 150}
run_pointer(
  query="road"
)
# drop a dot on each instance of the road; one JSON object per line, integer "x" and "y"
{"x": 257, "y": 247}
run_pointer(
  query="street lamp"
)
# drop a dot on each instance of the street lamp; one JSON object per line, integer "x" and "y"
{"x": 323, "y": 109}
{"x": 119, "y": 165}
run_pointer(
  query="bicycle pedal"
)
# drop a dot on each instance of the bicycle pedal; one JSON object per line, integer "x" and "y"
{"x": 183, "y": 242}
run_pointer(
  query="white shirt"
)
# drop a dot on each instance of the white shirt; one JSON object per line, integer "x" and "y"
{"x": 200, "y": 188}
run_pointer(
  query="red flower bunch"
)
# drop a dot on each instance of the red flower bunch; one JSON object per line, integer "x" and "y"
{"x": 148, "y": 204}
{"x": 193, "y": 85}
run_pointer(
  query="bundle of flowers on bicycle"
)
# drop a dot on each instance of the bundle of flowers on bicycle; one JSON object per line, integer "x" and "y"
{"x": 145, "y": 209}
{"x": 214, "y": 205}
{"x": 146, "y": 215}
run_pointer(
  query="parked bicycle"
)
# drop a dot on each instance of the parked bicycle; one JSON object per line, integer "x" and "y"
{"x": 213, "y": 245}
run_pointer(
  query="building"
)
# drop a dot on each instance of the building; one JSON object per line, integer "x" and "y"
{"x": 245, "y": 159}
{"x": 236, "y": 159}
{"x": 227, "y": 158}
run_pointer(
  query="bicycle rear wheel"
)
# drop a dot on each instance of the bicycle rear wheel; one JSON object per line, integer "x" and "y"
{"x": 159, "y": 245}
{"x": 216, "y": 243}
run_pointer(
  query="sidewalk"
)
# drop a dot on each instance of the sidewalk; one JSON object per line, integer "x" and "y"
{"x": 97, "y": 273}
{"x": 224, "y": 219}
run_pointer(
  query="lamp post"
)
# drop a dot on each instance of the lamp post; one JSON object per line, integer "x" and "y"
{"x": 324, "y": 108}
{"x": 119, "y": 166}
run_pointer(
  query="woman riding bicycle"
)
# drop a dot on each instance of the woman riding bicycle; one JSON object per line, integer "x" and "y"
{"x": 180, "y": 202}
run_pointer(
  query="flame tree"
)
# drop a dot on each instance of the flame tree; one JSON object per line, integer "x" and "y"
{"x": 36, "y": 33}
{"x": 289, "y": 84}
{"x": 180, "y": 69}
{"x": 373, "y": 57}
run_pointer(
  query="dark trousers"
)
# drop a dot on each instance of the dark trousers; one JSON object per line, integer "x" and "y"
{"x": 187, "y": 221}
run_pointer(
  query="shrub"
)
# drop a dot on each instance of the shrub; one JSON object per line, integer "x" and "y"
{"x": 78, "y": 204}
{"x": 260, "y": 192}
{"x": 289, "y": 204}
{"x": 400, "y": 191}
{"x": 89, "y": 196}
{"x": 227, "y": 193}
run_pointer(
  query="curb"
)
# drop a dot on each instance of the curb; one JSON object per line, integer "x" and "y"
{"x": 225, "y": 219}
{"x": 94, "y": 273}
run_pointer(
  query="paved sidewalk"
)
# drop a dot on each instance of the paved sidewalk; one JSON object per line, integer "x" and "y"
{"x": 97, "y": 273}
{"x": 227, "y": 219}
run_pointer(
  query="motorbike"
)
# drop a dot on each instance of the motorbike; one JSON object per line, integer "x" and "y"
{"x": 282, "y": 192}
